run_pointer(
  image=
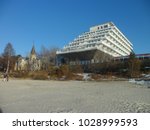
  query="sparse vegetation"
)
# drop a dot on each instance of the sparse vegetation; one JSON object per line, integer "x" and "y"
{"x": 134, "y": 66}
{"x": 129, "y": 68}
{"x": 39, "y": 75}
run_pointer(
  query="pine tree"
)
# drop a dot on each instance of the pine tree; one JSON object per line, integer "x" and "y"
{"x": 134, "y": 65}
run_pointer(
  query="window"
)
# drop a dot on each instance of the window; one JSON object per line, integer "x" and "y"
{"x": 105, "y": 26}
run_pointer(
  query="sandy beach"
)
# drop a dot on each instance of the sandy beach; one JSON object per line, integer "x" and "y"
{"x": 30, "y": 96}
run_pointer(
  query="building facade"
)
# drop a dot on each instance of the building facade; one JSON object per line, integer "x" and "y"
{"x": 100, "y": 43}
{"x": 145, "y": 56}
{"x": 31, "y": 63}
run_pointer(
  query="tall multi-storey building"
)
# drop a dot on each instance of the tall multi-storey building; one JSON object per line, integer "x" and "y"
{"x": 101, "y": 43}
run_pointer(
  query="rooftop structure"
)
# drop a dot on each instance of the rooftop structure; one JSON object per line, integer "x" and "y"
{"x": 33, "y": 50}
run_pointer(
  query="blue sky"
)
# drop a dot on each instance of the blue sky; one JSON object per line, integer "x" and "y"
{"x": 54, "y": 23}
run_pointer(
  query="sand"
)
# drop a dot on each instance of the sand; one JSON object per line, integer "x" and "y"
{"x": 34, "y": 96}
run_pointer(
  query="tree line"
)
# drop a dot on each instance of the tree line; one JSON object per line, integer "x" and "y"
{"x": 132, "y": 67}
{"x": 9, "y": 58}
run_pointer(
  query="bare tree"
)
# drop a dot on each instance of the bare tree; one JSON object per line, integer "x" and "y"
{"x": 52, "y": 53}
{"x": 44, "y": 56}
{"x": 8, "y": 54}
{"x": 48, "y": 57}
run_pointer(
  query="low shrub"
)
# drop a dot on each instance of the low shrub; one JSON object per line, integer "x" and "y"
{"x": 19, "y": 74}
{"x": 39, "y": 75}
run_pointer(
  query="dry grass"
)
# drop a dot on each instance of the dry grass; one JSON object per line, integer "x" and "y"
{"x": 39, "y": 75}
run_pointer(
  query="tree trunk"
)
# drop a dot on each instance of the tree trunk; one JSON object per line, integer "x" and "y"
{"x": 7, "y": 70}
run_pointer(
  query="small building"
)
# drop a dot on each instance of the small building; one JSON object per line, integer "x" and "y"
{"x": 31, "y": 63}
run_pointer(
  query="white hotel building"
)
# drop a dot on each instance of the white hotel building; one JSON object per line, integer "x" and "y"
{"x": 101, "y": 43}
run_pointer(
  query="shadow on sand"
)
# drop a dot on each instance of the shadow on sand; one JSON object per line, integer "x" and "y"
{"x": 1, "y": 110}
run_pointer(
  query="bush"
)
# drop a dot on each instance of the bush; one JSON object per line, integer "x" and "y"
{"x": 19, "y": 74}
{"x": 39, "y": 75}
{"x": 65, "y": 69}
{"x": 55, "y": 73}
{"x": 76, "y": 69}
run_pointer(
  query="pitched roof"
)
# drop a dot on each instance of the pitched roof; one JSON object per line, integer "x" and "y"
{"x": 33, "y": 50}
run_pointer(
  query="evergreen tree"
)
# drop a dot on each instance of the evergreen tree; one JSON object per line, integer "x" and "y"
{"x": 134, "y": 65}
